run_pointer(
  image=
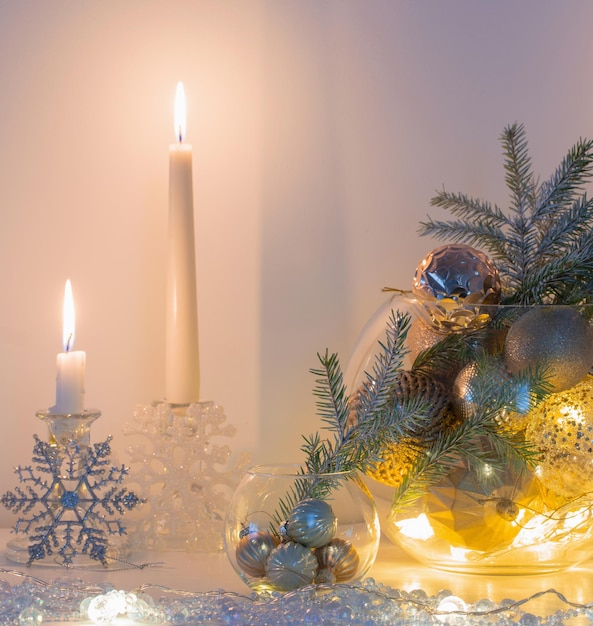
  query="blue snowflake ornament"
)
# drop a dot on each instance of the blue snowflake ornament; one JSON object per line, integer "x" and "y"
{"x": 68, "y": 500}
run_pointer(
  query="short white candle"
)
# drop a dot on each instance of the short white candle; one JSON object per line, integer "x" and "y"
{"x": 182, "y": 367}
{"x": 70, "y": 380}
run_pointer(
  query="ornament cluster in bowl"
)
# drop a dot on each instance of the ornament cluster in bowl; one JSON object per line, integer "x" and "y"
{"x": 489, "y": 464}
{"x": 287, "y": 529}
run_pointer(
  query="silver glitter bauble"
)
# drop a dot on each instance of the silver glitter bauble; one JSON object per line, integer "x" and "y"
{"x": 556, "y": 338}
{"x": 466, "y": 392}
{"x": 290, "y": 566}
{"x": 421, "y": 336}
{"x": 311, "y": 523}
{"x": 338, "y": 562}
{"x": 561, "y": 429}
{"x": 450, "y": 283}
{"x": 252, "y": 552}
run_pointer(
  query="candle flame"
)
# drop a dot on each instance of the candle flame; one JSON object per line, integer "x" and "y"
{"x": 68, "y": 319}
{"x": 180, "y": 114}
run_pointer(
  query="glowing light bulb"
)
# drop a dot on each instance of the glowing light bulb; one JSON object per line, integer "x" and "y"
{"x": 448, "y": 605}
{"x": 416, "y": 527}
{"x": 104, "y": 609}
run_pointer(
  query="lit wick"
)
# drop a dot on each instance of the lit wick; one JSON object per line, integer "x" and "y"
{"x": 180, "y": 112}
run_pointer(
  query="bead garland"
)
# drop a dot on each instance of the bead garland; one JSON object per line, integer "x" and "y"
{"x": 36, "y": 602}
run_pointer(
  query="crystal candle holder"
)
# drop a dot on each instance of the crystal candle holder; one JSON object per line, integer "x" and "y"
{"x": 70, "y": 497}
{"x": 184, "y": 470}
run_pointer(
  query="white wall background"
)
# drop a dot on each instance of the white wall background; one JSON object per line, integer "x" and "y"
{"x": 321, "y": 129}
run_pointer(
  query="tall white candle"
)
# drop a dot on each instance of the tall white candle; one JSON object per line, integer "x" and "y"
{"x": 182, "y": 367}
{"x": 71, "y": 365}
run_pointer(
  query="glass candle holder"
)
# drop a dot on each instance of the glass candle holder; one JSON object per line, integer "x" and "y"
{"x": 185, "y": 468}
{"x": 69, "y": 498}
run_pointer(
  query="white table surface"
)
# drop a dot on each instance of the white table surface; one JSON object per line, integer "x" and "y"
{"x": 200, "y": 572}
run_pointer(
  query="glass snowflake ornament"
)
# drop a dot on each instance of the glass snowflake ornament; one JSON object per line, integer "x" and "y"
{"x": 70, "y": 497}
{"x": 185, "y": 472}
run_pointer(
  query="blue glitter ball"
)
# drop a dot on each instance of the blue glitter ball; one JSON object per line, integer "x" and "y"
{"x": 69, "y": 499}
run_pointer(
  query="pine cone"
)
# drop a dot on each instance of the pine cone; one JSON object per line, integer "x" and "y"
{"x": 413, "y": 385}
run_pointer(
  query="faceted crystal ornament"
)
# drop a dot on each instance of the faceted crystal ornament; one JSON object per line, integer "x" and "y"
{"x": 450, "y": 283}
{"x": 480, "y": 509}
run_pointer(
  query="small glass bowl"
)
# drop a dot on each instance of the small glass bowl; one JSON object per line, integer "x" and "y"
{"x": 286, "y": 530}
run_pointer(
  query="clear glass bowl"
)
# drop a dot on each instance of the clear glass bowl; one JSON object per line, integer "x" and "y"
{"x": 499, "y": 517}
{"x": 285, "y": 530}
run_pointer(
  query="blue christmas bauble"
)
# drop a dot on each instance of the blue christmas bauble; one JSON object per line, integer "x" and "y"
{"x": 311, "y": 523}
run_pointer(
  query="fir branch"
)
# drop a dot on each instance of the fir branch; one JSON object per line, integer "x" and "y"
{"x": 544, "y": 239}
{"x": 377, "y": 387}
{"x": 356, "y": 443}
{"x": 480, "y": 438}
{"x": 567, "y": 227}
{"x": 519, "y": 178}
{"x": 471, "y": 210}
{"x": 565, "y": 279}
{"x": 454, "y": 348}
{"x": 567, "y": 181}
{"x": 473, "y": 233}
{"x": 332, "y": 404}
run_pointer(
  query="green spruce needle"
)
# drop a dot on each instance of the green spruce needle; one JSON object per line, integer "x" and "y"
{"x": 543, "y": 244}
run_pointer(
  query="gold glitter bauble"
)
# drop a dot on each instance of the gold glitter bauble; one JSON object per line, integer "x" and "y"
{"x": 556, "y": 338}
{"x": 561, "y": 428}
{"x": 450, "y": 284}
{"x": 397, "y": 459}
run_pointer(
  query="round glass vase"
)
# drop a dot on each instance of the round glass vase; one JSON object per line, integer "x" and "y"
{"x": 488, "y": 512}
{"x": 286, "y": 530}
